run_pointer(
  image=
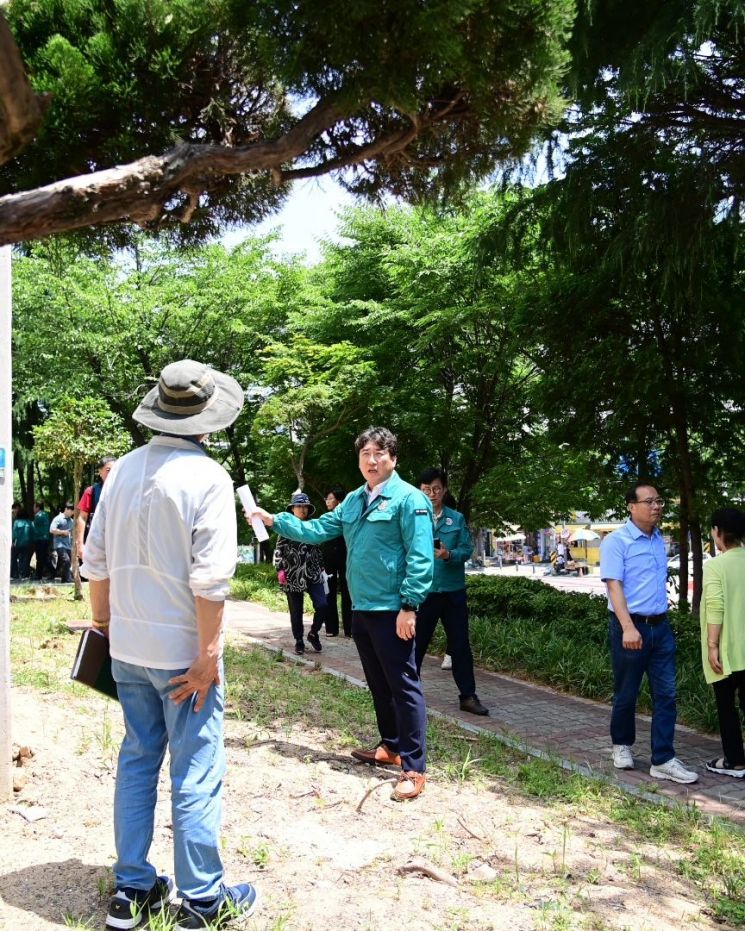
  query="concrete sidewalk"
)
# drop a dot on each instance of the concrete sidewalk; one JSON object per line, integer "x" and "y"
{"x": 538, "y": 720}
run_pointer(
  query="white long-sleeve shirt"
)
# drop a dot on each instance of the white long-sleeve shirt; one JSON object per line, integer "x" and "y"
{"x": 164, "y": 532}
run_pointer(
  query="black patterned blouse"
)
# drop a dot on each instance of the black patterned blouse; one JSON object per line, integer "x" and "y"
{"x": 301, "y": 562}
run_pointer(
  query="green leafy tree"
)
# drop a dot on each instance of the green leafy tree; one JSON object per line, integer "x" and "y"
{"x": 102, "y": 328}
{"x": 211, "y": 108}
{"x": 454, "y": 375}
{"x": 638, "y": 316}
{"x": 77, "y": 433}
{"x": 311, "y": 391}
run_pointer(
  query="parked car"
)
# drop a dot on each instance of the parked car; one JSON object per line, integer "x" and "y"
{"x": 674, "y": 561}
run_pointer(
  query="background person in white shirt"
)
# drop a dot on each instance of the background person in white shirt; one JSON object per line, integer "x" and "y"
{"x": 159, "y": 557}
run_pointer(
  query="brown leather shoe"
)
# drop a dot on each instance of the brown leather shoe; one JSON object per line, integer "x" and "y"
{"x": 410, "y": 785}
{"x": 378, "y": 756}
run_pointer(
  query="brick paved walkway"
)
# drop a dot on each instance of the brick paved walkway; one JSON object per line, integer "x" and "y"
{"x": 536, "y": 719}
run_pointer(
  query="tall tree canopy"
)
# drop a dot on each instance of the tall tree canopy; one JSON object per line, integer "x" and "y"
{"x": 163, "y": 111}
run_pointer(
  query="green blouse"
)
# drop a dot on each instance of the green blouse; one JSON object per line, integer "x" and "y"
{"x": 723, "y": 603}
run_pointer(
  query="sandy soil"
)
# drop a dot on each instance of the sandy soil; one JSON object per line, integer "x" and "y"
{"x": 293, "y": 827}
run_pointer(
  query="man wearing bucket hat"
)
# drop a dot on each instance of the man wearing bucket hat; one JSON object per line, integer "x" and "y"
{"x": 299, "y": 570}
{"x": 159, "y": 556}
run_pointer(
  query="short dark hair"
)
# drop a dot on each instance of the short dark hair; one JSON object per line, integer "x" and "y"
{"x": 431, "y": 475}
{"x": 104, "y": 460}
{"x": 68, "y": 505}
{"x": 730, "y": 522}
{"x": 338, "y": 492}
{"x": 631, "y": 493}
{"x": 39, "y": 504}
{"x": 381, "y": 436}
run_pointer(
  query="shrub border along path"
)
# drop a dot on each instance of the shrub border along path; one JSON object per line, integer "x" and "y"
{"x": 533, "y": 718}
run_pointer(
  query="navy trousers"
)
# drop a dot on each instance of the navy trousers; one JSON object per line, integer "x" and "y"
{"x": 657, "y": 659}
{"x": 295, "y": 604}
{"x": 452, "y": 609}
{"x": 389, "y": 665}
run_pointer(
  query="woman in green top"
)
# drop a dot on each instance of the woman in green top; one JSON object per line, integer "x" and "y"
{"x": 723, "y": 635}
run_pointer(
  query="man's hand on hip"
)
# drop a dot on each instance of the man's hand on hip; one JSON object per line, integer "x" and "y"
{"x": 406, "y": 624}
{"x": 198, "y": 678}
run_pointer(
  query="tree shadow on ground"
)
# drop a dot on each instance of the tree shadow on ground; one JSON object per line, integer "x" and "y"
{"x": 71, "y": 888}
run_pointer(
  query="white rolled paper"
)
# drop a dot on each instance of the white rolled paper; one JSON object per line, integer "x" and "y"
{"x": 249, "y": 506}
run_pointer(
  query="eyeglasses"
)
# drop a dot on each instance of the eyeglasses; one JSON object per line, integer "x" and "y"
{"x": 660, "y": 502}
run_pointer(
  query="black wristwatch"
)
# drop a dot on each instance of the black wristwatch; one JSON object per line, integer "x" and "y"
{"x": 408, "y": 607}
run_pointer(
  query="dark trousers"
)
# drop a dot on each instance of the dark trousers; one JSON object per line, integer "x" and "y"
{"x": 389, "y": 665}
{"x": 729, "y": 693}
{"x": 23, "y": 555}
{"x": 63, "y": 560}
{"x": 657, "y": 659}
{"x": 295, "y": 604}
{"x": 338, "y": 584}
{"x": 452, "y": 609}
{"x": 41, "y": 548}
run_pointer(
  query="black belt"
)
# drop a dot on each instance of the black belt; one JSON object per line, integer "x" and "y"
{"x": 650, "y": 619}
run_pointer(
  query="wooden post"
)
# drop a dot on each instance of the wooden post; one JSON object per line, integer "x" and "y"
{"x": 6, "y": 500}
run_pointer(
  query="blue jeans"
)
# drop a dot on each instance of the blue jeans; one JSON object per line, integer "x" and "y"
{"x": 657, "y": 659}
{"x": 197, "y": 767}
{"x": 452, "y": 609}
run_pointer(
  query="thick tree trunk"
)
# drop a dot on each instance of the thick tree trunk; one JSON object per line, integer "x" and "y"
{"x": 21, "y": 110}
{"x": 239, "y": 472}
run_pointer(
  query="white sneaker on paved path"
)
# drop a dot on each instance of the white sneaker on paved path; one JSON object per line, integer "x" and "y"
{"x": 447, "y": 663}
{"x": 673, "y": 770}
{"x": 622, "y": 757}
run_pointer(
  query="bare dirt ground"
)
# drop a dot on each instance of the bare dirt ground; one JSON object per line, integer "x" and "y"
{"x": 291, "y": 825}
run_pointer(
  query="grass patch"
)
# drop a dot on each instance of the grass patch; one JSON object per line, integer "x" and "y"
{"x": 258, "y": 583}
{"x": 42, "y": 649}
{"x": 268, "y": 690}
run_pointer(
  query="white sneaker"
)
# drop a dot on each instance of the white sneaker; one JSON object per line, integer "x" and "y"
{"x": 673, "y": 770}
{"x": 622, "y": 757}
{"x": 447, "y": 663}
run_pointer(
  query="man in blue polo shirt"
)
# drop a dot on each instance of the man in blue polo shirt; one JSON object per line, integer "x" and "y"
{"x": 633, "y": 565}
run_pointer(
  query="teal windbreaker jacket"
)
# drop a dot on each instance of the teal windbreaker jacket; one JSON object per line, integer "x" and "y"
{"x": 390, "y": 556}
{"x": 453, "y": 534}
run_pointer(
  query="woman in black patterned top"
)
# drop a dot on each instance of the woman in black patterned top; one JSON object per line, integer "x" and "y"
{"x": 300, "y": 570}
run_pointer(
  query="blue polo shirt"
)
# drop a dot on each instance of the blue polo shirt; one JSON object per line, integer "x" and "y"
{"x": 639, "y": 563}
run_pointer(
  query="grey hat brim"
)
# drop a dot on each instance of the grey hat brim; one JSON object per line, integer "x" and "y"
{"x": 220, "y": 414}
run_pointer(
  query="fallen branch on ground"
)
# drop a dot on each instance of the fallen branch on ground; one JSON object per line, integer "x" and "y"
{"x": 370, "y": 791}
{"x": 417, "y": 865}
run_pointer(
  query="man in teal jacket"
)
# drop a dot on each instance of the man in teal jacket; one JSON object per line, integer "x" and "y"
{"x": 387, "y": 526}
{"x": 447, "y": 598}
